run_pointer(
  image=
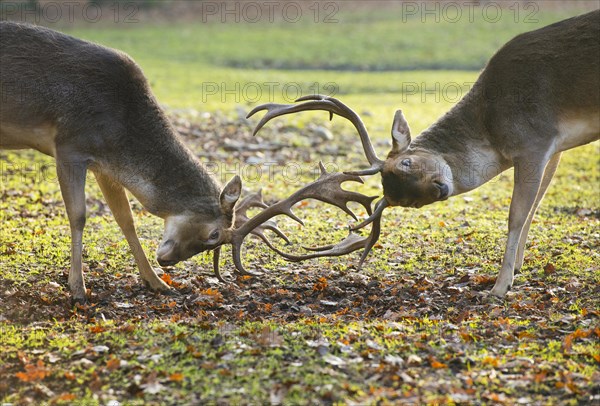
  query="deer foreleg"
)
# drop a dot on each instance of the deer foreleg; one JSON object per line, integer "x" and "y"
{"x": 119, "y": 205}
{"x": 528, "y": 180}
{"x": 548, "y": 175}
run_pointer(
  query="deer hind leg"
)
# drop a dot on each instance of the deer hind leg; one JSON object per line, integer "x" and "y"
{"x": 71, "y": 177}
{"x": 528, "y": 180}
{"x": 119, "y": 205}
{"x": 548, "y": 175}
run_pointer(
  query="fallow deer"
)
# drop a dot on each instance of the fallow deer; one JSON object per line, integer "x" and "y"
{"x": 90, "y": 107}
{"x": 538, "y": 96}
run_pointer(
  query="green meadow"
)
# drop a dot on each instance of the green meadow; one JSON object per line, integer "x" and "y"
{"x": 413, "y": 326}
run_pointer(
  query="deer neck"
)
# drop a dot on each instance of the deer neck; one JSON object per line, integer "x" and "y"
{"x": 175, "y": 184}
{"x": 163, "y": 174}
{"x": 461, "y": 140}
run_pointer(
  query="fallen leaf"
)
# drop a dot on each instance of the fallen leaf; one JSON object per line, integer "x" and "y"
{"x": 167, "y": 279}
{"x": 113, "y": 364}
{"x": 437, "y": 365}
{"x": 66, "y": 397}
{"x": 549, "y": 269}
{"x": 333, "y": 360}
{"x": 33, "y": 372}
{"x": 96, "y": 329}
{"x": 321, "y": 284}
{"x": 176, "y": 377}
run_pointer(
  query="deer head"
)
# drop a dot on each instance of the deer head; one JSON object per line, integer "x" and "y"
{"x": 188, "y": 234}
{"x": 411, "y": 177}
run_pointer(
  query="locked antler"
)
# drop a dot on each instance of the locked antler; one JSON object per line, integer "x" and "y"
{"x": 327, "y": 188}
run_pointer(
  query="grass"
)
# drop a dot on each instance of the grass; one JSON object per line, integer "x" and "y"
{"x": 410, "y": 327}
{"x": 184, "y": 64}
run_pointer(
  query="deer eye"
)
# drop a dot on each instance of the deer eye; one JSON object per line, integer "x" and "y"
{"x": 405, "y": 162}
{"x": 214, "y": 235}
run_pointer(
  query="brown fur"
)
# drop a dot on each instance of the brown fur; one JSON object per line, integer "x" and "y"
{"x": 538, "y": 96}
{"x": 91, "y": 108}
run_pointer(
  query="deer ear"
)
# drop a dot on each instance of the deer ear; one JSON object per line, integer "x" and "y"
{"x": 400, "y": 133}
{"x": 230, "y": 195}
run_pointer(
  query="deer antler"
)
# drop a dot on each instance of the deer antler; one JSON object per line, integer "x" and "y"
{"x": 327, "y": 188}
{"x": 333, "y": 106}
{"x": 350, "y": 244}
{"x": 241, "y": 217}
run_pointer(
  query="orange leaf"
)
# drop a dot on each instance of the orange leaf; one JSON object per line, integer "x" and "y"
{"x": 33, "y": 372}
{"x": 66, "y": 397}
{"x": 172, "y": 304}
{"x": 96, "y": 329}
{"x": 167, "y": 279}
{"x": 321, "y": 284}
{"x": 113, "y": 364}
{"x": 568, "y": 342}
{"x": 572, "y": 387}
{"x": 484, "y": 279}
{"x": 539, "y": 377}
{"x": 437, "y": 365}
{"x": 176, "y": 377}
{"x": 70, "y": 376}
{"x": 493, "y": 361}
{"x": 579, "y": 333}
{"x": 211, "y": 292}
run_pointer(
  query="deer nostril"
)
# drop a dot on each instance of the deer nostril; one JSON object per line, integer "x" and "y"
{"x": 443, "y": 188}
{"x": 165, "y": 249}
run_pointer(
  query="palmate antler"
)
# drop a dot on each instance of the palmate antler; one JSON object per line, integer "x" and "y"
{"x": 327, "y": 188}
{"x": 333, "y": 106}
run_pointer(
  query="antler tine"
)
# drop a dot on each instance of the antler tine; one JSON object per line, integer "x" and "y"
{"x": 327, "y": 188}
{"x": 351, "y": 243}
{"x": 276, "y": 110}
{"x": 379, "y": 208}
{"x": 216, "y": 257}
{"x": 375, "y": 231}
{"x": 252, "y": 200}
{"x": 333, "y": 106}
{"x": 241, "y": 217}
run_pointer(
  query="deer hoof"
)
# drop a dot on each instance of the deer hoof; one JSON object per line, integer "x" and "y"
{"x": 157, "y": 285}
{"x": 498, "y": 292}
{"x": 493, "y": 299}
{"x": 79, "y": 301}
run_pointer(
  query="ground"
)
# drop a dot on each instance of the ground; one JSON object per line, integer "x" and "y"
{"x": 414, "y": 325}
